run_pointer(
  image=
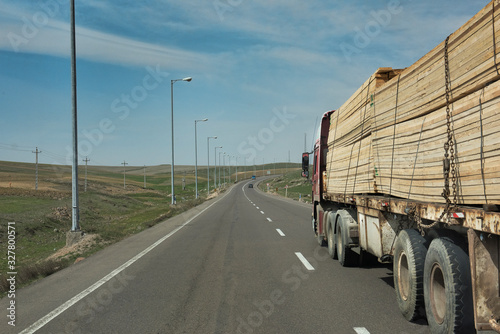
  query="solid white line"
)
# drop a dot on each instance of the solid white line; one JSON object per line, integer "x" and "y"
{"x": 46, "y": 319}
{"x": 280, "y": 232}
{"x": 270, "y": 220}
{"x": 361, "y": 330}
{"x": 304, "y": 261}
{"x": 262, "y": 212}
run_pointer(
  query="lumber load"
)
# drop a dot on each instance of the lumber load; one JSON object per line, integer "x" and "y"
{"x": 350, "y": 169}
{"x": 408, "y": 156}
{"x": 389, "y": 137}
{"x": 356, "y": 114}
{"x": 473, "y": 52}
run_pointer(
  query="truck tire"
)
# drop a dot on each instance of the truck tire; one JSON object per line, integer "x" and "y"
{"x": 448, "y": 288}
{"x": 332, "y": 247}
{"x": 409, "y": 259}
{"x": 319, "y": 237}
{"x": 345, "y": 254}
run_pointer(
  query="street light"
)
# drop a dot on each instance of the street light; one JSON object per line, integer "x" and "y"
{"x": 224, "y": 158}
{"x": 188, "y": 79}
{"x": 215, "y": 169}
{"x": 230, "y": 156}
{"x": 219, "y": 167}
{"x": 208, "y": 165}
{"x": 236, "y": 168}
{"x": 196, "y": 153}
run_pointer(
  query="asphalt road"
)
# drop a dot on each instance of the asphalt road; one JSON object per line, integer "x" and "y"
{"x": 246, "y": 262}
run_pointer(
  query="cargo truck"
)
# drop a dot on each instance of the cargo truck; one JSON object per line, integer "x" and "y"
{"x": 408, "y": 170}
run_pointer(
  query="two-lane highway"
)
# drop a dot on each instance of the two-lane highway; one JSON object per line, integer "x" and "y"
{"x": 246, "y": 262}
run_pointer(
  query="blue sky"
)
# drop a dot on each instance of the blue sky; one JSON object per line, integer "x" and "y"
{"x": 263, "y": 72}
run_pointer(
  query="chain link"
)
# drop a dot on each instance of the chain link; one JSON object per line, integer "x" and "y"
{"x": 449, "y": 147}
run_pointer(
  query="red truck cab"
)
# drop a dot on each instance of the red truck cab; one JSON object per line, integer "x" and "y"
{"x": 319, "y": 166}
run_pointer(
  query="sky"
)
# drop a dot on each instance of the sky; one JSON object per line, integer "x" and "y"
{"x": 264, "y": 72}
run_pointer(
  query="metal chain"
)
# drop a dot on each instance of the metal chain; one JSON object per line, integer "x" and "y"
{"x": 449, "y": 146}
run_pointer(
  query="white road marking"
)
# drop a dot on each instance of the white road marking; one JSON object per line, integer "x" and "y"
{"x": 253, "y": 204}
{"x": 257, "y": 207}
{"x": 270, "y": 220}
{"x": 304, "y": 261}
{"x": 361, "y": 330}
{"x": 46, "y": 319}
{"x": 262, "y": 212}
{"x": 280, "y": 231}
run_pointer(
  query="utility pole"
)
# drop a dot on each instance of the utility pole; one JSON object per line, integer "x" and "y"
{"x": 86, "y": 160}
{"x": 305, "y": 142}
{"x": 36, "y": 167}
{"x": 288, "y": 161}
{"x": 144, "y": 176}
{"x": 124, "y": 164}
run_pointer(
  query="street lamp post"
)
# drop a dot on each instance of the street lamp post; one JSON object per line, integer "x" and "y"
{"x": 188, "y": 79}
{"x": 219, "y": 167}
{"x": 215, "y": 170}
{"x": 196, "y": 153}
{"x": 208, "y": 161}
{"x": 224, "y": 157}
{"x": 236, "y": 168}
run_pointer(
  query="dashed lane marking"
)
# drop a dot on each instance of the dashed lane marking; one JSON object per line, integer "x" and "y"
{"x": 304, "y": 261}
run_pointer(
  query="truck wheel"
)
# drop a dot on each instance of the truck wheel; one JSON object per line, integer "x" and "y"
{"x": 447, "y": 288}
{"x": 332, "y": 247}
{"x": 319, "y": 238}
{"x": 409, "y": 260}
{"x": 345, "y": 254}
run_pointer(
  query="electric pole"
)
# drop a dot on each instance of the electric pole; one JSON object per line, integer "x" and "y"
{"x": 36, "y": 167}
{"x": 86, "y": 160}
{"x": 124, "y": 164}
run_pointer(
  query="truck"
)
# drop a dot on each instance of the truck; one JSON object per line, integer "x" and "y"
{"x": 407, "y": 170}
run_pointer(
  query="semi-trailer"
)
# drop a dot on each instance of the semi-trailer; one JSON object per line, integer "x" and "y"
{"x": 408, "y": 170}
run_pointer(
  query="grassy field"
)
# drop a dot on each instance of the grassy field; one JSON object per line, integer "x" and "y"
{"x": 291, "y": 185}
{"x": 108, "y": 211}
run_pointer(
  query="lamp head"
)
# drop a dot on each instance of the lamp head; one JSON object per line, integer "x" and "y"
{"x": 188, "y": 79}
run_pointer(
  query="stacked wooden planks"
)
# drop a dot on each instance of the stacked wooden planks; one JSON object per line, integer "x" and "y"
{"x": 389, "y": 136}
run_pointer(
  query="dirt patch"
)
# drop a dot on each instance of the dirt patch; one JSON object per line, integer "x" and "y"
{"x": 87, "y": 242}
{"x": 213, "y": 194}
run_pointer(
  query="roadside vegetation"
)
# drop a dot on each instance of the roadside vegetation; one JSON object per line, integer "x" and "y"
{"x": 291, "y": 184}
{"x": 108, "y": 211}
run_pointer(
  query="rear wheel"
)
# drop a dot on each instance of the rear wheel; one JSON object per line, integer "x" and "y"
{"x": 409, "y": 260}
{"x": 447, "y": 288}
{"x": 346, "y": 255}
{"x": 332, "y": 248}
